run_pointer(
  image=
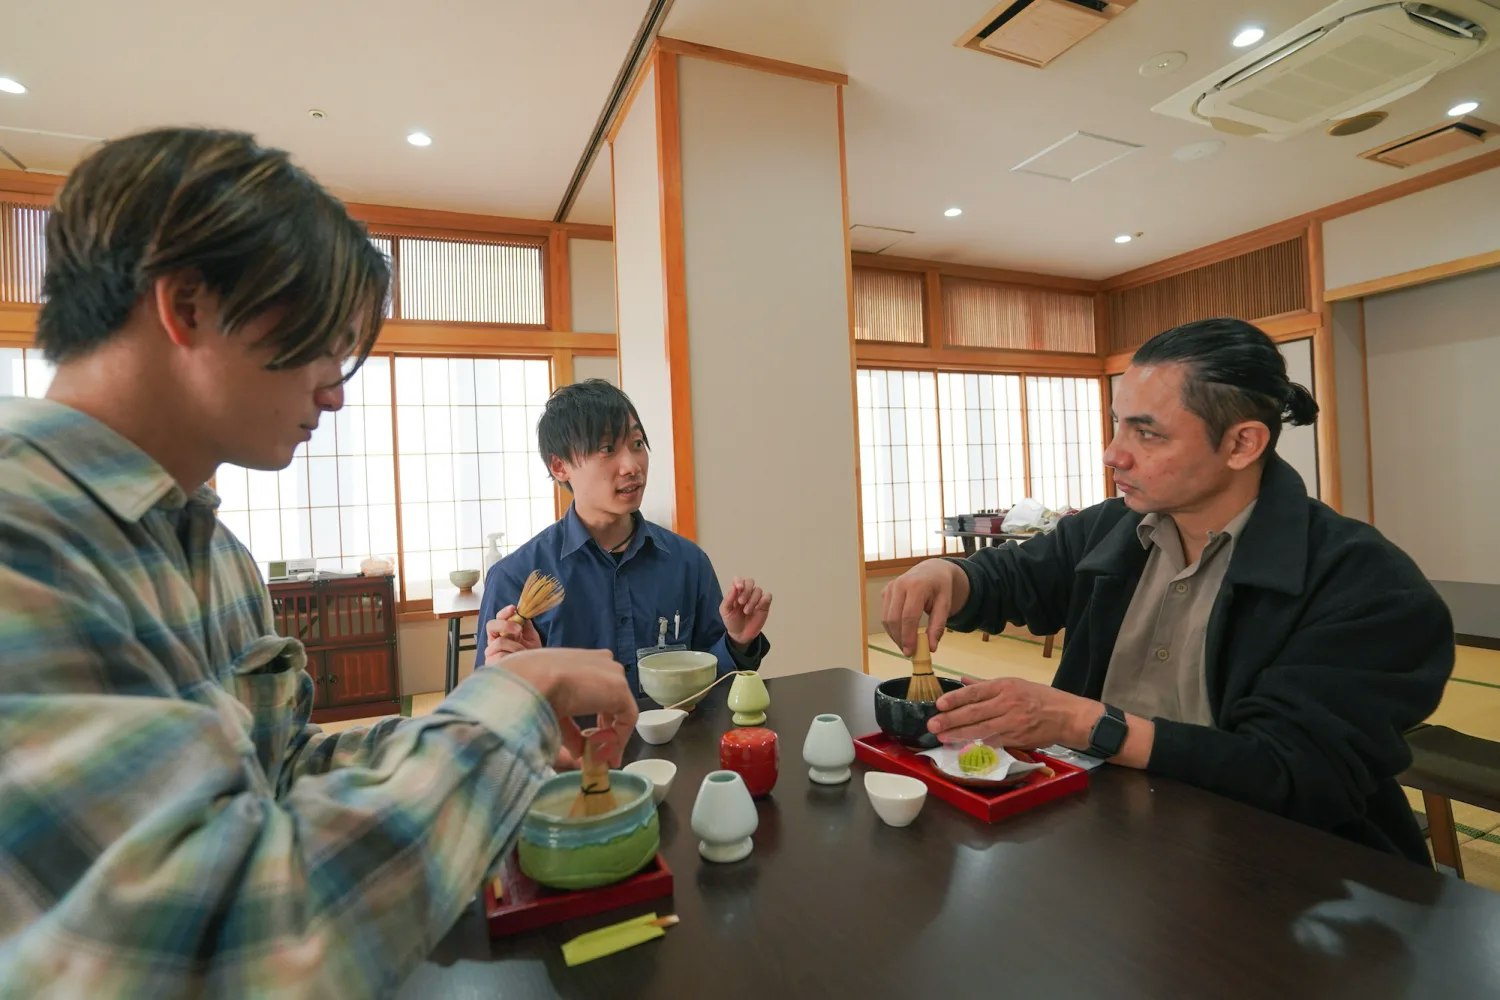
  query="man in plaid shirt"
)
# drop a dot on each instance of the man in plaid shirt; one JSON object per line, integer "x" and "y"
{"x": 170, "y": 824}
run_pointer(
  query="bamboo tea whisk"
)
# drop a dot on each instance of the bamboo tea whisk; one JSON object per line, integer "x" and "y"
{"x": 594, "y": 797}
{"x": 540, "y": 594}
{"x": 924, "y": 684}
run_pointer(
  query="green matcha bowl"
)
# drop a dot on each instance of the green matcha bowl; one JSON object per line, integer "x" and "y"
{"x": 564, "y": 853}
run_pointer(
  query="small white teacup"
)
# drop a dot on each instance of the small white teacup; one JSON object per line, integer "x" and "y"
{"x": 897, "y": 798}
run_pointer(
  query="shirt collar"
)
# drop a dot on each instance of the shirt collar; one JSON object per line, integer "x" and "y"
{"x": 123, "y": 478}
{"x": 576, "y": 535}
{"x": 1146, "y": 530}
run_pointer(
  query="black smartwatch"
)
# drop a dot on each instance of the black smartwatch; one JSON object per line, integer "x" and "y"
{"x": 1109, "y": 734}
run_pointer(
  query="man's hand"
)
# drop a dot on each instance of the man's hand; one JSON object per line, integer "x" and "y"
{"x": 934, "y": 587}
{"x": 744, "y": 610}
{"x": 1011, "y": 712}
{"x": 505, "y": 635}
{"x": 580, "y": 682}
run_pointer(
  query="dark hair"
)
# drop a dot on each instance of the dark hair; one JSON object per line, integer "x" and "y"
{"x": 259, "y": 230}
{"x": 580, "y": 417}
{"x": 1234, "y": 373}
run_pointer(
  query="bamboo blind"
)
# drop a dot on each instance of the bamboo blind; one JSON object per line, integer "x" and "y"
{"x": 469, "y": 281}
{"x": 1253, "y": 285}
{"x": 1016, "y": 317}
{"x": 888, "y": 306}
{"x": 23, "y": 251}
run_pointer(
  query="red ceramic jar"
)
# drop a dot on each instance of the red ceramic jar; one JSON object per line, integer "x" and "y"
{"x": 752, "y": 753}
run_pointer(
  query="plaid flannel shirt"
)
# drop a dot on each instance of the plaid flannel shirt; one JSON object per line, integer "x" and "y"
{"x": 170, "y": 824}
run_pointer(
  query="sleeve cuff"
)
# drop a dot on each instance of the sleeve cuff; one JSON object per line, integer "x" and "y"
{"x": 753, "y": 654}
{"x": 511, "y": 709}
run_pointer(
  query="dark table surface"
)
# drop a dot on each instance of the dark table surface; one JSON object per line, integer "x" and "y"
{"x": 1139, "y": 887}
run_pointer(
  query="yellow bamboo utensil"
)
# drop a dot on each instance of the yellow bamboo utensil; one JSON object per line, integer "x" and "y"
{"x": 616, "y": 937}
{"x": 594, "y": 797}
{"x": 924, "y": 684}
{"x": 541, "y": 594}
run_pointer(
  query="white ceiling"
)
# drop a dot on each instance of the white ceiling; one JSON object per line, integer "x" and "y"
{"x": 931, "y": 126}
{"x": 510, "y": 90}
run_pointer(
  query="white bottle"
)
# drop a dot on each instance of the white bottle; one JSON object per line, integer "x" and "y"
{"x": 492, "y": 551}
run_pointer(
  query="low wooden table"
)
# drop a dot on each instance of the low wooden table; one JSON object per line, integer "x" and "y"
{"x": 975, "y": 540}
{"x": 1139, "y": 887}
{"x": 454, "y": 606}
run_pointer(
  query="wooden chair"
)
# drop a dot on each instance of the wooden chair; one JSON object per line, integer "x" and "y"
{"x": 1447, "y": 765}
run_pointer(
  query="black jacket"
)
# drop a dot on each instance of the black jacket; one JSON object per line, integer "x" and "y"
{"x": 1324, "y": 645}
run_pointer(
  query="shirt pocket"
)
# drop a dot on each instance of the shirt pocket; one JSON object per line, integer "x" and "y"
{"x": 272, "y": 697}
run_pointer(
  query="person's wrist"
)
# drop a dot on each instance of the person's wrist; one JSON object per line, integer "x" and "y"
{"x": 1085, "y": 718}
{"x": 546, "y": 683}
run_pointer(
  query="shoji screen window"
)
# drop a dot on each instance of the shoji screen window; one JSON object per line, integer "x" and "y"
{"x": 468, "y": 467}
{"x": 1066, "y": 439}
{"x": 902, "y": 491}
{"x": 984, "y": 460}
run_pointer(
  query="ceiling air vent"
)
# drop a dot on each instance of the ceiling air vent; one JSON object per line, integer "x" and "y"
{"x": 1352, "y": 57}
{"x": 1035, "y": 32}
{"x": 1431, "y": 143}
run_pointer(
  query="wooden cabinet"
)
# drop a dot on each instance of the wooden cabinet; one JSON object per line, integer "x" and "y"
{"x": 348, "y": 625}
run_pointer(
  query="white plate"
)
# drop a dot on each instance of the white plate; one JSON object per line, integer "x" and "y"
{"x": 1009, "y": 771}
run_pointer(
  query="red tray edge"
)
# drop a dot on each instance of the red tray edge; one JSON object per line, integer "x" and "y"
{"x": 1067, "y": 780}
{"x": 515, "y": 918}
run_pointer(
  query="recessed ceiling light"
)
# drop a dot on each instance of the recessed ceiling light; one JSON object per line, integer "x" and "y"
{"x": 954, "y": 212}
{"x": 11, "y": 86}
{"x": 419, "y": 139}
{"x": 1124, "y": 238}
{"x": 1462, "y": 109}
{"x": 1248, "y": 37}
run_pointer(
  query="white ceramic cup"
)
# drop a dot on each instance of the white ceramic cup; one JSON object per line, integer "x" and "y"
{"x": 661, "y": 774}
{"x": 897, "y": 798}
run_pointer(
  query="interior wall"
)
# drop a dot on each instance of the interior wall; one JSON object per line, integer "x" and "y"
{"x": 421, "y": 648}
{"x": 1299, "y": 445}
{"x": 1349, "y": 376}
{"x": 772, "y": 397}
{"x": 605, "y": 366}
{"x": 1443, "y": 223}
{"x": 642, "y": 292}
{"x": 591, "y": 283}
{"x": 1434, "y": 351}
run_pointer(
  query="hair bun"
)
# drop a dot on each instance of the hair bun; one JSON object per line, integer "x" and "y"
{"x": 1300, "y": 407}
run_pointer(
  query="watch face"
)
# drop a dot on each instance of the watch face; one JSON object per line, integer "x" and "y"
{"x": 1109, "y": 734}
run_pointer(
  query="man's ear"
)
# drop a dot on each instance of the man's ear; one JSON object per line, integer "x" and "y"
{"x": 560, "y": 469}
{"x": 1246, "y": 442}
{"x": 182, "y": 306}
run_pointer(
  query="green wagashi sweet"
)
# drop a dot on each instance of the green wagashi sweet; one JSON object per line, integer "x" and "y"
{"x": 978, "y": 759}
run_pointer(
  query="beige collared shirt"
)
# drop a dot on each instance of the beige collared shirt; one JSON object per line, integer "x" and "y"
{"x": 1156, "y": 669}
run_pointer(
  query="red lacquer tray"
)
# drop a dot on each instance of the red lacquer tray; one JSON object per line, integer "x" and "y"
{"x": 883, "y": 753}
{"x": 525, "y": 906}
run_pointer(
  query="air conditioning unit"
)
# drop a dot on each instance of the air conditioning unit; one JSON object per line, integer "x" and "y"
{"x": 1350, "y": 58}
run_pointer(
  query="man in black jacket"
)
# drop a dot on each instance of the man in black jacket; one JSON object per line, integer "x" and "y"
{"x": 1223, "y": 628}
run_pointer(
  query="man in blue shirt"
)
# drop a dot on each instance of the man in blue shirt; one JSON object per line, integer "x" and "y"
{"x": 623, "y": 575}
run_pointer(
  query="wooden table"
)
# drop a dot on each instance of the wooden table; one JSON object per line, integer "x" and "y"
{"x": 453, "y": 605}
{"x": 1140, "y": 887}
{"x": 974, "y": 540}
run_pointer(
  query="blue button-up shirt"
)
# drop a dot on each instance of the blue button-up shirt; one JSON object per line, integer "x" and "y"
{"x": 616, "y": 605}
